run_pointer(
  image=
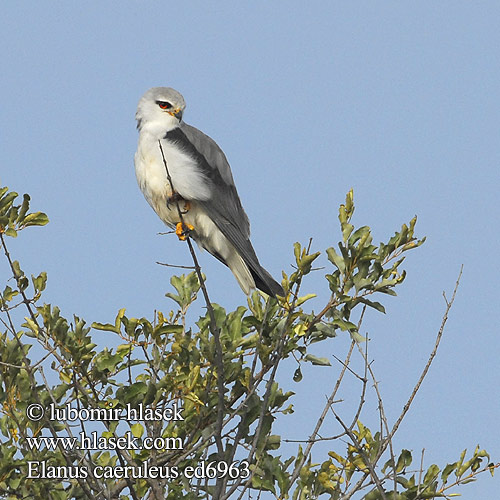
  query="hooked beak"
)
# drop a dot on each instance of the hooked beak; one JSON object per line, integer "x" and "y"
{"x": 177, "y": 113}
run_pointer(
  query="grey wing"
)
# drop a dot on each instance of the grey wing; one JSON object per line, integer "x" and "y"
{"x": 224, "y": 206}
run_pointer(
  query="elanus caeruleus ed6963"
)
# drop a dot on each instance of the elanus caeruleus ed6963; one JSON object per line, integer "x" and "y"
{"x": 203, "y": 187}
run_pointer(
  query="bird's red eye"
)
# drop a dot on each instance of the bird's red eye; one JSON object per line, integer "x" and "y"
{"x": 164, "y": 104}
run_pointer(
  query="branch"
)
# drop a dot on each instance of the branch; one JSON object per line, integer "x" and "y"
{"x": 362, "y": 453}
{"x": 219, "y": 364}
{"x": 345, "y": 364}
{"x": 490, "y": 467}
{"x": 431, "y": 357}
{"x": 278, "y": 357}
{"x": 29, "y": 368}
{"x": 383, "y": 418}
{"x": 175, "y": 265}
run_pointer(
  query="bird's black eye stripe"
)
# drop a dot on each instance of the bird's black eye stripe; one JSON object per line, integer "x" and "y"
{"x": 164, "y": 104}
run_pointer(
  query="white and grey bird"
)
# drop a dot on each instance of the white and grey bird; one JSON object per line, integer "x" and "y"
{"x": 203, "y": 187}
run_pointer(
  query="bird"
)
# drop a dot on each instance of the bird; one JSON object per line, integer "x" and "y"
{"x": 186, "y": 178}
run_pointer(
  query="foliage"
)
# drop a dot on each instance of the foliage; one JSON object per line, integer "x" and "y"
{"x": 197, "y": 442}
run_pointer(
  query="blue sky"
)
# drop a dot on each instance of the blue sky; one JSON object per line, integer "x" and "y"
{"x": 397, "y": 100}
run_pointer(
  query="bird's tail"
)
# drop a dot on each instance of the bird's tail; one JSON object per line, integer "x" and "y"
{"x": 250, "y": 277}
{"x": 265, "y": 282}
{"x": 241, "y": 272}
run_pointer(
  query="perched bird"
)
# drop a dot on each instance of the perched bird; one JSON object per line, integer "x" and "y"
{"x": 203, "y": 187}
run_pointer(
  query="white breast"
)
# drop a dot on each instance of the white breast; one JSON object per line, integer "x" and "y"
{"x": 151, "y": 174}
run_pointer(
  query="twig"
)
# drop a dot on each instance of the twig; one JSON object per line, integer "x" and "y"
{"x": 315, "y": 440}
{"x": 322, "y": 417}
{"x": 362, "y": 400}
{"x": 383, "y": 417}
{"x": 431, "y": 357}
{"x": 175, "y": 265}
{"x": 357, "y": 487}
{"x": 20, "y": 367}
{"x": 359, "y": 377}
{"x": 331, "y": 399}
{"x": 366, "y": 459}
{"x": 490, "y": 467}
{"x": 420, "y": 472}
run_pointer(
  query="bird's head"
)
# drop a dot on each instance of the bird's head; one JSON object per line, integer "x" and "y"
{"x": 160, "y": 110}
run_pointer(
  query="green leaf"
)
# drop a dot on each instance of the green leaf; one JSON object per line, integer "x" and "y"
{"x": 297, "y": 376}
{"x": 491, "y": 468}
{"x": 107, "y": 361}
{"x": 34, "y": 219}
{"x": 304, "y": 298}
{"x": 297, "y": 251}
{"x": 187, "y": 286}
{"x": 346, "y": 231}
{"x": 24, "y": 208}
{"x": 260, "y": 483}
{"x": 164, "y": 329}
{"x": 447, "y": 471}
{"x": 133, "y": 393}
{"x": 373, "y": 495}
{"x": 306, "y": 261}
{"x": 362, "y": 232}
{"x": 335, "y": 259}
{"x": 317, "y": 361}
{"x": 323, "y": 330}
{"x": 469, "y": 480}
{"x": 109, "y": 327}
{"x": 357, "y": 337}
{"x": 376, "y": 305}
{"x": 404, "y": 460}
{"x": 40, "y": 282}
{"x": 7, "y": 201}
{"x": 18, "y": 272}
{"x": 9, "y": 294}
{"x": 137, "y": 430}
{"x": 346, "y": 210}
{"x": 273, "y": 442}
{"x": 333, "y": 280}
{"x": 124, "y": 349}
{"x": 432, "y": 474}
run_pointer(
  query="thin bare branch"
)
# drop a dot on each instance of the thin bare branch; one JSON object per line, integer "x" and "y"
{"x": 430, "y": 360}
{"x": 322, "y": 417}
{"x": 366, "y": 458}
{"x": 177, "y": 266}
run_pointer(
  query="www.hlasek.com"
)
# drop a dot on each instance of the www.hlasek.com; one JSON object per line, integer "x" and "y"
{"x": 93, "y": 441}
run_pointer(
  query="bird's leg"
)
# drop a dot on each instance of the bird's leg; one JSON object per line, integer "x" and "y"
{"x": 182, "y": 230}
{"x": 173, "y": 198}
{"x": 176, "y": 197}
{"x": 187, "y": 207}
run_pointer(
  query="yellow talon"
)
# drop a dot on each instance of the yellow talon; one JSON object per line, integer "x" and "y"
{"x": 182, "y": 230}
